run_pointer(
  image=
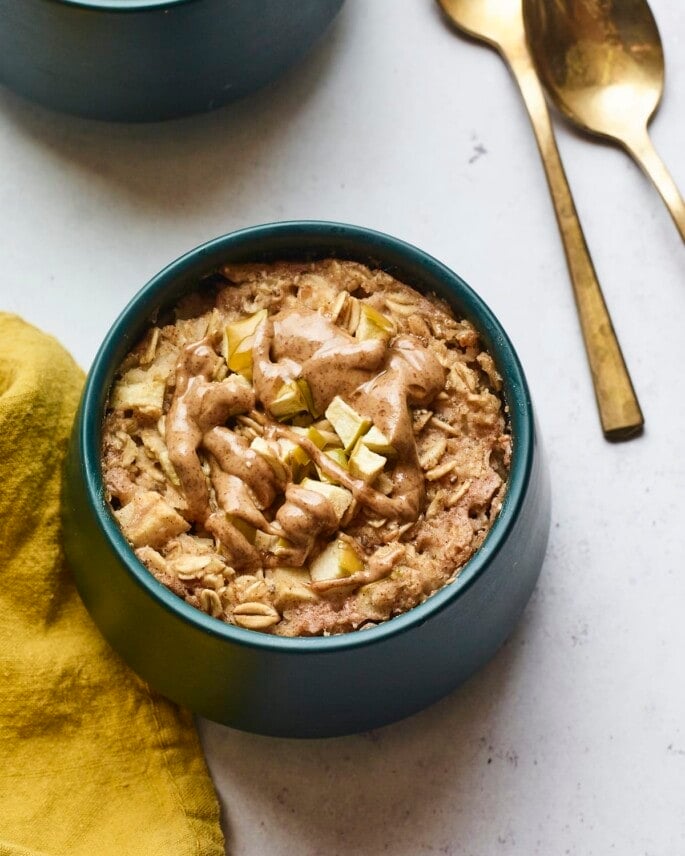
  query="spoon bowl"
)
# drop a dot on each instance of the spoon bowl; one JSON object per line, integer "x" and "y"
{"x": 602, "y": 64}
{"x": 490, "y": 21}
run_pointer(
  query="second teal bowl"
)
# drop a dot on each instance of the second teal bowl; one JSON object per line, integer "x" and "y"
{"x": 144, "y": 60}
{"x": 305, "y": 687}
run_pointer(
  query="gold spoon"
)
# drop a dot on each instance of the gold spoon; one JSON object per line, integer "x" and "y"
{"x": 499, "y": 23}
{"x": 602, "y": 64}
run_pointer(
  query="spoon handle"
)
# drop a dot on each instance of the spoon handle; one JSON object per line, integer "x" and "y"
{"x": 618, "y": 406}
{"x": 642, "y": 149}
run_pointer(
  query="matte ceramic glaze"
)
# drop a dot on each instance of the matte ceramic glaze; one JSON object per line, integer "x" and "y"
{"x": 305, "y": 687}
{"x": 144, "y": 60}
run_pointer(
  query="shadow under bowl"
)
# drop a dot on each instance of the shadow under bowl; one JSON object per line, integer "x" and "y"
{"x": 305, "y": 687}
{"x": 146, "y": 60}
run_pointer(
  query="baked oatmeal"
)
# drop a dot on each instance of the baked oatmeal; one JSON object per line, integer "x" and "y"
{"x": 306, "y": 448}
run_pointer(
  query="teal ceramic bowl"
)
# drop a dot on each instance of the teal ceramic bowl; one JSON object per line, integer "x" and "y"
{"x": 305, "y": 687}
{"x": 143, "y": 60}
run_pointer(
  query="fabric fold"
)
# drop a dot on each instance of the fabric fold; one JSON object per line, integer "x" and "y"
{"x": 91, "y": 760}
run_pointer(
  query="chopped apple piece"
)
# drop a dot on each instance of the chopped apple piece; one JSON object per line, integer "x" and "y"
{"x": 265, "y": 542}
{"x": 303, "y": 386}
{"x": 291, "y": 587}
{"x": 336, "y": 561}
{"x": 331, "y": 438}
{"x": 384, "y": 484}
{"x": 365, "y": 464}
{"x": 295, "y": 456}
{"x": 325, "y": 430}
{"x": 246, "y": 529}
{"x": 271, "y": 543}
{"x": 288, "y": 402}
{"x": 337, "y": 455}
{"x": 241, "y": 359}
{"x": 340, "y": 458}
{"x": 375, "y": 440}
{"x": 240, "y": 379}
{"x": 294, "y": 397}
{"x": 339, "y": 497}
{"x": 373, "y": 324}
{"x": 270, "y": 455}
{"x": 282, "y": 547}
{"x": 238, "y": 340}
{"x": 317, "y": 438}
{"x": 312, "y": 434}
{"x": 238, "y": 331}
{"x": 148, "y": 520}
{"x": 349, "y": 559}
{"x": 145, "y": 396}
{"x": 348, "y": 424}
{"x": 323, "y": 425}
{"x": 292, "y": 455}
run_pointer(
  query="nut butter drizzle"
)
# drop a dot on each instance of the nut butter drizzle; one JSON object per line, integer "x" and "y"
{"x": 199, "y": 404}
{"x": 305, "y": 344}
{"x": 379, "y": 380}
{"x": 379, "y": 566}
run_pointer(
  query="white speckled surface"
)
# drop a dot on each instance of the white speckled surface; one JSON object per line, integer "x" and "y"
{"x": 572, "y": 741}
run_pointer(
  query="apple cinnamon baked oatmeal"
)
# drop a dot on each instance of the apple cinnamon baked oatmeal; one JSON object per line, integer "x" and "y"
{"x": 306, "y": 449}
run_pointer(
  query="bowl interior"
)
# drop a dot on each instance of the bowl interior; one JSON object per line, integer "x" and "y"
{"x": 307, "y": 240}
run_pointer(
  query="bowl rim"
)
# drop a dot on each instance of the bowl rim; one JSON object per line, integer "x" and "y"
{"x": 123, "y": 5}
{"x": 515, "y": 387}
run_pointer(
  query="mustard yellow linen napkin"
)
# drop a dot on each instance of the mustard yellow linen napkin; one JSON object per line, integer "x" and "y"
{"x": 92, "y": 762}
